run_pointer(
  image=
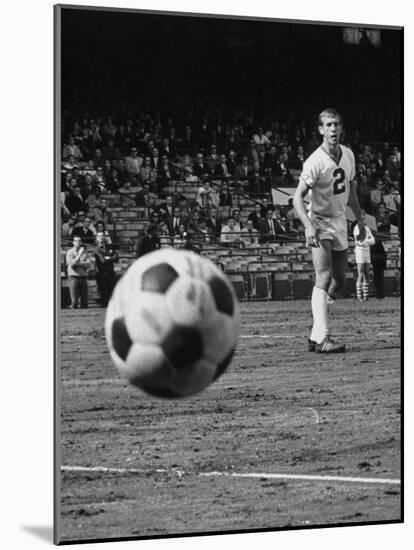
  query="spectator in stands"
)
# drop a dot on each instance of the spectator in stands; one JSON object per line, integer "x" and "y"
{"x": 78, "y": 263}
{"x": 98, "y": 158}
{"x": 148, "y": 240}
{"x": 252, "y": 153}
{"x": 379, "y": 264}
{"x": 155, "y": 159}
{"x": 212, "y": 159}
{"x": 203, "y": 193}
{"x": 221, "y": 170}
{"x": 68, "y": 226}
{"x": 99, "y": 180}
{"x": 281, "y": 171}
{"x": 256, "y": 216}
{"x": 71, "y": 150}
{"x": 383, "y": 219}
{"x": 89, "y": 192}
{"x": 155, "y": 218}
{"x": 166, "y": 172}
{"x": 392, "y": 201}
{"x": 70, "y": 164}
{"x": 194, "y": 220}
{"x": 364, "y": 193}
{"x": 270, "y": 159}
{"x": 164, "y": 235}
{"x": 123, "y": 174}
{"x": 105, "y": 257}
{"x": 188, "y": 139}
{"x": 265, "y": 206}
{"x": 147, "y": 173}
{"x": 167, "y": 150}
{"x": 201, "y": 169}
{"x": 67, "y": 181}
{"x": 133, "y": 165}
{"x": 111, "y": 151}
{"x": 238, "y": 225}
{"x": 394, "y": 166}
{"x": 213, "y": 224}
{"x": 285, "y": 227}
{"x": 102, "y": 212}
{"x": 229, "y": 237}
{"x": 151, "y": 198}
{"x": 386, "y": 180}
{"x": 293, "y": 221}
{"x": 231, "y": 163}
{"x": 101, "y": 228}
{"x": 289, "y": 210}
{"x": 85, "y": 231}
{"x": 199, "y": 234}
{"x": 166, "y": 209}
{"x": 226, "y": 197}
{"x": 244, "y": 171}
{"x": 377, "y": 193}
{"x": 74, "y": 200}
{"x": 249, "y": 236}
{"x": 175, "y": 221}
{"x": 378, "y": 160}
{"x": 112, "y": 181}
{"x": 213, "y": 199}
{"x": 366, "y": 156}
{"x": 261, "y": 141}
{"x": 268, "y": 228}
{"x": 298, "y": 159}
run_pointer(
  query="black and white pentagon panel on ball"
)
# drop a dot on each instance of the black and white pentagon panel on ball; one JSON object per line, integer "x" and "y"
{"x": 172, "y": 323}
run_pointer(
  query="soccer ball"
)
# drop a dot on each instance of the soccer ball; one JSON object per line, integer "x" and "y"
{"x": 172, "y": 323}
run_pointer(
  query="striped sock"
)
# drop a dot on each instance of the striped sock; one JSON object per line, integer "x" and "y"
{"x": 365, "y": 290}
{"x": 359, "y": 291}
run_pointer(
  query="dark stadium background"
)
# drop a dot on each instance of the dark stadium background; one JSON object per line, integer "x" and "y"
{"x": 271, "y": 67}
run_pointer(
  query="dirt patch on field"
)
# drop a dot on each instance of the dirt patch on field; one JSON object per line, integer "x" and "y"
{"x": 278, "y": 409}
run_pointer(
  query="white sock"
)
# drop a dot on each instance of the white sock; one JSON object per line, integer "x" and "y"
{"x": 320, "y": 314}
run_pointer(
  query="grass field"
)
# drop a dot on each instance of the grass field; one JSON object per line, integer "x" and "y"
{"x": 133, "y": 465}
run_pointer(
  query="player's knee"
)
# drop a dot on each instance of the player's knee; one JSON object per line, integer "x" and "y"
{"x": 323, "y": 279}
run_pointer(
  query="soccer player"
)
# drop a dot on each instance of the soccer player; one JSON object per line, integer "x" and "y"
{"x": 363, "y": 261}
{"x": 327, "y": 176}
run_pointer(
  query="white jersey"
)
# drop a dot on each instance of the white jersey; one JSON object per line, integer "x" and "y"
{"x": 328, "y": 181}
{"x": 362, "y": 250}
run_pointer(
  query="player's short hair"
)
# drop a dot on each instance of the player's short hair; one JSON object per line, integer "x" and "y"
{"x": 329, "y": 111}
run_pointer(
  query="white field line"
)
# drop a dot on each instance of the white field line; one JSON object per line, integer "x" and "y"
{"x": 299, "y": 477}
{"x": 305, "y": 477}
{"x": 280, "y": 337}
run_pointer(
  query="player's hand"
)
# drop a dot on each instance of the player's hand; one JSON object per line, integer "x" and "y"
{"x": 362, "y": 232}
{"x": 312, "y": 236}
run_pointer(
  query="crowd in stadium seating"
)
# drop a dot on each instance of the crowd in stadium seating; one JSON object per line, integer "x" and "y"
{"x": 140, "y": 156}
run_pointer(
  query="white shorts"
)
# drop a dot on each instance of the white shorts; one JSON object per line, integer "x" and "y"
{"x": 332, "y": 229}
{"x": 362, "y": 255}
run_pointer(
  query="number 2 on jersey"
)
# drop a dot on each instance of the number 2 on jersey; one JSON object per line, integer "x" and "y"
{"x": 339, "y": 178}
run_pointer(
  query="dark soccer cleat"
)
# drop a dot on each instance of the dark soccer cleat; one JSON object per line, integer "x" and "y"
{"x": 328, "y": 346}
{"x": 311, "y": 345}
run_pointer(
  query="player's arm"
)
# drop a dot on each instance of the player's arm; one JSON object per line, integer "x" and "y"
{"x": 311, "y": 234}
{"x": 369, "y": 238}
{"x": 353, "y": 204}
